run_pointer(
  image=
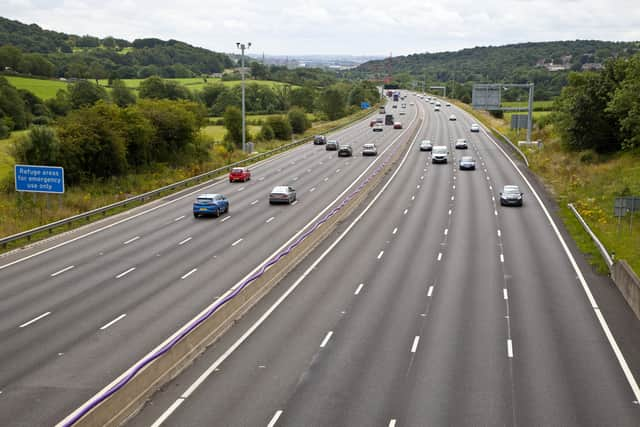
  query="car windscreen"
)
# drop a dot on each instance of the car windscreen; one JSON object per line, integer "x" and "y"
{"x": 236, "y": 170}
{"x": 204, "y": 200}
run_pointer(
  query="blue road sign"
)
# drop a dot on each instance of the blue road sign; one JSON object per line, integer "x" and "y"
{"x": 39, "y": 179}
{"x": 364, "y": 105}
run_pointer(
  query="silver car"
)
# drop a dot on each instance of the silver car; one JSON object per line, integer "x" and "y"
{"x": 369, "y": 150}
{"x": 282, "y": 194}
{"x": 461, "y": 144}
{"x": 425, "y": 145}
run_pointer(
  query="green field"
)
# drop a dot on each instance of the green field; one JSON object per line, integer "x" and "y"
{"x": 217, "y": 133}
{"x": 537, "y": 105}
{"x": 44, "y": 89}
{"x": 196, "y": 83}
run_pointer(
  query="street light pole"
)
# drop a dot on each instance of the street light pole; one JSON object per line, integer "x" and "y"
{"x": 242, "y": 47}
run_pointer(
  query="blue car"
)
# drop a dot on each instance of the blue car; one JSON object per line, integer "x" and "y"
{"x": 210, "y": 204}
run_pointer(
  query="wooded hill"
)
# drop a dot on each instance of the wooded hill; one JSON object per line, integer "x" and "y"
{"x": 547, "y": 64}
{"x": 29, "y": 49}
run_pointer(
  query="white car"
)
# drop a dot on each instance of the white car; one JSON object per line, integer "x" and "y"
{"x": 369, "y": 150}
{"x": 448, "y": 104}
{"x": 436, "y": 108}
{"x": 452, "y": 117}
{"x": 425, "y": 145}
{"x": 475, "y": 127}
{"x": 461, "y": 143}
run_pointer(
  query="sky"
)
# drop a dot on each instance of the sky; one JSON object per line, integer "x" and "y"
{"x": 337, "y": 27}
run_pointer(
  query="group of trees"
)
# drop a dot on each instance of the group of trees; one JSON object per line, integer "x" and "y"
{"x": 601, "y": 110}
{"x": 30, "y": 50}
{"x": 105, "y": 140}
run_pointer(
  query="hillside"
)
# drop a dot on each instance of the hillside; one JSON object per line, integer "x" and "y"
{"x": 29, "y": 49}
{"x": 546, "y": 63}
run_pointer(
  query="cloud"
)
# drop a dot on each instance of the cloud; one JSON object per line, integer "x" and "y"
{"x": 337, "y": 26}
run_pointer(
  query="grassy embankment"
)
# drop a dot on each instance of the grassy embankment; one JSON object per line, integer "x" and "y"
{"x": 588, "y": 180}
{"x": 26, "y": 211}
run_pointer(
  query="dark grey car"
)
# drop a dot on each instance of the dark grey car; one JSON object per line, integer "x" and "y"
{"x": 511, "y": 196}
{"x": 282, "y": 194}
{"x": 332, "y": 145}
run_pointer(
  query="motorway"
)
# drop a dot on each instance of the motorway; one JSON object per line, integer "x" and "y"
{"x": 433, "y": 306}
{"x": 77, "y": 312}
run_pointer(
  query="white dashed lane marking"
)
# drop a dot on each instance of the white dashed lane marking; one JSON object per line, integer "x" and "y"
{"x": 62, "y": 271}
{"x": 124, "y": 273}
{"x": 122, "y": 316}
{"x": 189, "y": 273}
{"x": 34, "y": 320}
{"x": 236, "y": 242}
{"x": 185, "y": 241}
{"x": 270, "y": 219}
{"x": 131, "y": 240}
{"x": 179, "y": 218}
{"x": 360, "y": 286}
{"x": 326, "y": 339}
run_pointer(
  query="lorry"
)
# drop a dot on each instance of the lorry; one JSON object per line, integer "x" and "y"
{"x": 396, "y": 96}
{"x": 388, "y": 119}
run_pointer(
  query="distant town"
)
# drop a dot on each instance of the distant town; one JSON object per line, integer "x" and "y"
{"x": 335, "y": 62}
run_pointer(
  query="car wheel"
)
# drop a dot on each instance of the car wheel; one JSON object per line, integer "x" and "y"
{"x": 195, "y": 215}
{"x": 217, "y": 214}
{"x": 226, "y": 210}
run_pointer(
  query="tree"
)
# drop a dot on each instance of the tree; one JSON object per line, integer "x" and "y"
{"x": 61, "y": 104}
{"x": 121, "y": 95}
{"x": 40, "y": 146}
{"x": 298, "y": 120}
{"x": 92, "y": 144}
{"x": 280, "y": 126}
{"x": 12, "y": 107}
{"x": 303, "y": 97}
{"x": 625, "y": 104}
{"x": 581, "y": 118}
{"x": 266, "y": 132}
{"x": 138, "y": 133}
{"x": 84, "y": 94}
{"x": 332, "y": 103}
{"x": 176, "y": 125}
{"x": 155, "y": 87}
{"x": 233, "y": 124}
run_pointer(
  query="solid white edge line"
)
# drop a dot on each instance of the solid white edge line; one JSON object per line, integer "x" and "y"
{"x": 510, "y": 349}
{"x": 430, "y": 292}
{"x": 124, "y": 273}
{"x": 326, "y": 339}
{"x": 102, "y": 328}
{"x": 380, "y": 254}
{"x": 62, "y": 271}
{"x": 585, "y": 286}
{"x": 133, "y": 239}
{"x": 279, "y": 301}
{"x": 392, "y": 423}
{"x": 414, "y": 347}
{"x": 35, "y": 319}
{"x": 360, "y": 286}
{"x": 189, "y": 273}
{"x": 275, "y": 418}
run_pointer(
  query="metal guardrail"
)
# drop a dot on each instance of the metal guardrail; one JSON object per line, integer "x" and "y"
{"x": 601, "y": 248}
{"x": 185, "y": 182}
{"x": 514, "y": 146}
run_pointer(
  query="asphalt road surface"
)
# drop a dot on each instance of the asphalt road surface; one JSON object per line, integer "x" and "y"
{"x": 79, "y": 310}
{"x": 434, "y": 306}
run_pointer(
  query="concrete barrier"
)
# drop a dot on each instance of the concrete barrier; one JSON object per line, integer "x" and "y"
{"x": 124, "y": 403}
{"x": 628, "y": 283}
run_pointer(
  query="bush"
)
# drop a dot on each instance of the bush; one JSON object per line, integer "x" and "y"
{"x": 266, "y": 133}
{"x": 41, "y": 120}
{"x": 498, "y": 114}
{"x": 4, "y": 130}
{"x": 281, "y": 127}
{"x": 298, "y": 120}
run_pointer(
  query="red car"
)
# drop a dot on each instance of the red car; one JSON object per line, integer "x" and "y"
{"x": 397, "y": 125}
{"x": 239, "y": 174}
{"x": 372, "y": 123}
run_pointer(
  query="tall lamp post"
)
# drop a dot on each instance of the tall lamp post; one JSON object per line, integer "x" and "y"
{"x": 242, "y": 47}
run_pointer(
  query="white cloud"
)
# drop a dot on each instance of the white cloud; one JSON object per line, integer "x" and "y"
{"x": 337, "y": 26}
